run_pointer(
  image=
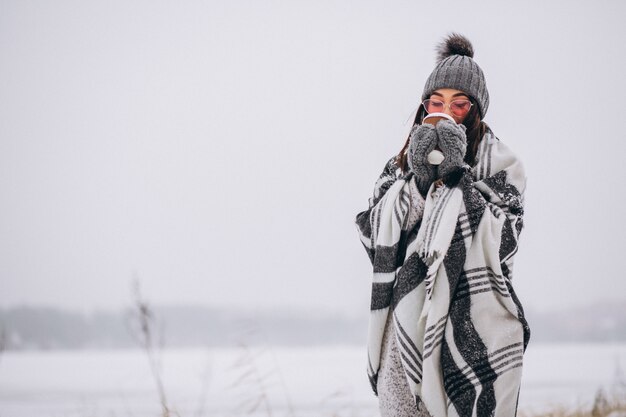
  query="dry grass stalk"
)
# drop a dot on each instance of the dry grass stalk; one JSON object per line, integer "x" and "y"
{"x": 202, "y": 400}
{"x": 257, "y": 371}
{"x": 253, "y": 382}
{"x": 603, "y": 406}
{"x": 151, "y": 342}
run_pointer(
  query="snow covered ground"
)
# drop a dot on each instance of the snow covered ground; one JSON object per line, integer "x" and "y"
{"x": 276, "y": 381}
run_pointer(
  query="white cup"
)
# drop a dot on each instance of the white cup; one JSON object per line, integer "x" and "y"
{"x": 436, "y": 157}
{"x": 434, "y": 118}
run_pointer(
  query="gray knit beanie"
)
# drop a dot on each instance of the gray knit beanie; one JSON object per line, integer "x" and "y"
{"x": 456, "y": 69}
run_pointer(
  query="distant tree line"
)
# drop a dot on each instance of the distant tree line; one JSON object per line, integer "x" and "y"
{"x": 52, "y": 328}
{"x": 184, "y": 326}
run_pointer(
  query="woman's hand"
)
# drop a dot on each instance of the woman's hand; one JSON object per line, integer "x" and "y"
{"x": 453, "y": 144}
{"x": 422, "y": 141}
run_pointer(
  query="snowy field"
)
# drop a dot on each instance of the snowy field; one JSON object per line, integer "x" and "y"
{"x": 320, "y": 381}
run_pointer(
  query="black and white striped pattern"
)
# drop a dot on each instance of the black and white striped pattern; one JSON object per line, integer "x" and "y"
{"x": 442, "y": 266}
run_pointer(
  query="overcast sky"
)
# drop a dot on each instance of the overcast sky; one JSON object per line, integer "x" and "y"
{"x": 220, "y": 150}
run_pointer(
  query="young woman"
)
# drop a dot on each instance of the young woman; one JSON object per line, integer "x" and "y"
{"x": 447, "y": 332}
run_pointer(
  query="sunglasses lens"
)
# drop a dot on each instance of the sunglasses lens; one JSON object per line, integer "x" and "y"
{"x": 433, "y": 106}
{"x": 460, "y": 107}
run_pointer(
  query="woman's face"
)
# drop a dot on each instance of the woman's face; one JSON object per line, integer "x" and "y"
{"x": 455, "y": 103}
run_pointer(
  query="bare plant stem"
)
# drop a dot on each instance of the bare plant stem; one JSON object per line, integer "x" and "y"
{"x": 204, "y": 389}
{"x": 146, "y": 335}
{"x": 260, "y": 381}
{"x": 290, "y": 408}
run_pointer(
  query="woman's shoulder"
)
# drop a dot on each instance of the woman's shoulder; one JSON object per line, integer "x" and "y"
{"x": 490, "y": 139}
{"x": 495, "y": 157}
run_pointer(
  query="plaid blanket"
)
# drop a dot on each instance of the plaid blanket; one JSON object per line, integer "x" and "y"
{"x": 443, "y": 267}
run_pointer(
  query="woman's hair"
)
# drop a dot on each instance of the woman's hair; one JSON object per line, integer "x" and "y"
{"x": 474, "y": 132}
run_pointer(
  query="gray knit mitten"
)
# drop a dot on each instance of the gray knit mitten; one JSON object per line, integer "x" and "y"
{"x": 422, "y": 141}
{"x": 453, "y": 144}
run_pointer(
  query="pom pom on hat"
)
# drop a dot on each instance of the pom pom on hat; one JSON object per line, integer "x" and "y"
{"x": 454, "y": 44}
